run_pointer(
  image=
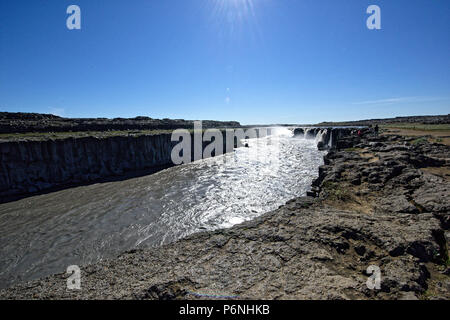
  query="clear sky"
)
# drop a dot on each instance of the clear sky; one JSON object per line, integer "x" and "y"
{"x": 255, "y": 61}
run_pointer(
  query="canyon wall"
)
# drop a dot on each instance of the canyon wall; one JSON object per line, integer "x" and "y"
{"x": 32, "y": 166}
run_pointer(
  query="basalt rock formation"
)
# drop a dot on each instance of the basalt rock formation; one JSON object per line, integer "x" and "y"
{"x": 378, "y": 201}
{"x": 30, "y": 166}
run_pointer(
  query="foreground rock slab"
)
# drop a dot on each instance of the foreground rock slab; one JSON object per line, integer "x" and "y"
{"x": 287, "y": 254}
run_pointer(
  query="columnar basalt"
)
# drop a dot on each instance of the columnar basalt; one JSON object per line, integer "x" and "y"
{"x": 29, "y": 166}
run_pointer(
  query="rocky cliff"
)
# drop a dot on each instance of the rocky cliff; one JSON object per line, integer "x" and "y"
{"x": 30, "y": 166}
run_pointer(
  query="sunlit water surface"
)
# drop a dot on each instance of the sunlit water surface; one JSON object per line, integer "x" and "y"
{"x": 44, "y": 234}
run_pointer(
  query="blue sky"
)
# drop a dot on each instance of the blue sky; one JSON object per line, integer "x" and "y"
{"x": 255, "y": 61}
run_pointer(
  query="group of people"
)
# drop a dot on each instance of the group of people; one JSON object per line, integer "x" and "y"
{"x": 375, "y": 130}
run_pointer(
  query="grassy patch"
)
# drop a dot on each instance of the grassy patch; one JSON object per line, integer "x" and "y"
{"x": 418, "y": 126}
{"x": 336, "y": 191}
{"x": 41, "y": 136}
{"x": 78, "y": 134}
{"x": 419, "y": 141}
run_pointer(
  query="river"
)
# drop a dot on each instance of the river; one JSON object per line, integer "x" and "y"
{"x": 44, "y": 234}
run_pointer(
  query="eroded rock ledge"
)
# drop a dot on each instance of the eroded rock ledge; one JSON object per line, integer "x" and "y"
{"x": 378, "y": 201}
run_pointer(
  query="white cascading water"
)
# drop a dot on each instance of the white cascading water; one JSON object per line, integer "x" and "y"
{"x": 330, "y": 141}
{"x": 309, "y": 133}
{"x": 320, "y": 135}
{"x": 281, "y": 131}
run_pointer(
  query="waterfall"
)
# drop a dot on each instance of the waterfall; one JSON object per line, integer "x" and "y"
{"x": 309, "y": 133}
{"x": 322, "y": 136}
{"x": 330, "y": 140}
{"x": 326, "y": 138}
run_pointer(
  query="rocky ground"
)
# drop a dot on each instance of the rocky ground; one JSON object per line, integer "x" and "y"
{"x": 379, "y": 200}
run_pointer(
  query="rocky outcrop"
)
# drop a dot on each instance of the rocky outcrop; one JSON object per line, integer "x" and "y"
{"x": 30, "y": 166}
{"x": 374, "y": 204}
{"x": 392, "y": 170}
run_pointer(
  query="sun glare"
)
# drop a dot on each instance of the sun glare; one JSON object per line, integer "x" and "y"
{"x": 234, "y": 18}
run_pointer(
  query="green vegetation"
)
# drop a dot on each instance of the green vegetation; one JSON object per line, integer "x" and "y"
{"x": 418, "y": 126}
{"x": 336, "y": 191}
{"x": 420, "y": 140}
{"x": 42, "y": 136}
{"x": 38, "y": 136}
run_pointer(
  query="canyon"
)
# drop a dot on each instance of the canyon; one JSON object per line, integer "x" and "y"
{"x": 376, "y": 202}
{"x": 32, "y": 164}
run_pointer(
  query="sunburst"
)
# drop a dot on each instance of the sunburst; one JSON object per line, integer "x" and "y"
{"x": 233, "y": 17}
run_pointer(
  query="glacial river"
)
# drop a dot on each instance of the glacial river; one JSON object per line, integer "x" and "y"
{"x": 44, "y": 234}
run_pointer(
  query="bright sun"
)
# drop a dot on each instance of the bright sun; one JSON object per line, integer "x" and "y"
{"x": 233, "y": 16}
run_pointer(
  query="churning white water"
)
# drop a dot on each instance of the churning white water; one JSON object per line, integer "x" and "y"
{"x": 44, "y": 234}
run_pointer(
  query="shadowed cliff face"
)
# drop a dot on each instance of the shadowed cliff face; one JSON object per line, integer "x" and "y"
{"x": 31, "y": 166}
